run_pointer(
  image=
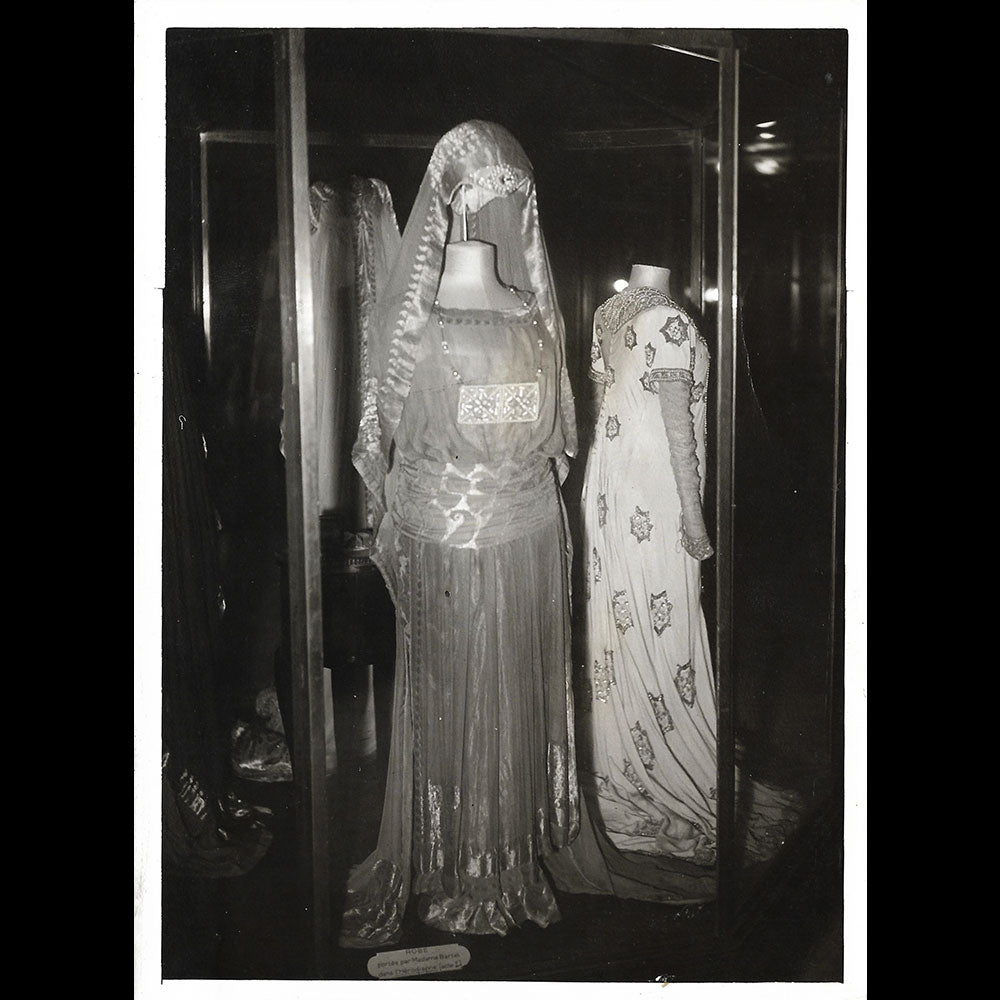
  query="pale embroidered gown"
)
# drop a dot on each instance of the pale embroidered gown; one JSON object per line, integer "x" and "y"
{"x": 647, "y": 716}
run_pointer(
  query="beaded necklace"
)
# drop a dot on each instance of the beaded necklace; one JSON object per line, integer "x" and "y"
{"x": 444, "y": 343}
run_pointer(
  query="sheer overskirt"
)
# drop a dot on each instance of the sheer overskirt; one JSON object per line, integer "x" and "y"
{"x": 482, "y": 763}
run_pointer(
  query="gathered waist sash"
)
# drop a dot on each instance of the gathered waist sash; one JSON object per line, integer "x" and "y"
{"x": 477, "y": 506}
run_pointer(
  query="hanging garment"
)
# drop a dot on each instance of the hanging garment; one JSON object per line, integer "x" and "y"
{"x": 354, "y": 240}
{"x": 465, "y": 474}
{"x": 354, "y": 237}
{"x": 200, "y": 832}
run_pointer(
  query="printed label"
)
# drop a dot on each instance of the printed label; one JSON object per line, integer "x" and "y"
{"x": 418, "y": 961}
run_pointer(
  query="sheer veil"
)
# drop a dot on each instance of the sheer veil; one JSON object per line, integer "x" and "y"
{"x": 478, "y": 170}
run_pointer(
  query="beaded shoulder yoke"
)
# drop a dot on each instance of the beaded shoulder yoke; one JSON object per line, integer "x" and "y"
{"x": 625, "y": 306}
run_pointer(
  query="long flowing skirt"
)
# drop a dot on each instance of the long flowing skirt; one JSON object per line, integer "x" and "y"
{"x": 482, "y": 773}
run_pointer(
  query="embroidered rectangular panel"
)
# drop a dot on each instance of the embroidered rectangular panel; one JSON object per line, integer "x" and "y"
{"x": 512, "y": 403}
{"x": 670, "y": 375}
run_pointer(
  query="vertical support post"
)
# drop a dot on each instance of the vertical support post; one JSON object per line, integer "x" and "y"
{"x": 835, "y": 677}
{"x": 697, "y": 262}
{"x": 725, "y": 476}
{"x": 195, "y": 213}
{"x": 301, "y": 483}
{"x": 206, "y": 294}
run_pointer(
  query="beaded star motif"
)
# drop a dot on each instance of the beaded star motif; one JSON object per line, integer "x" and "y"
{"x": 662, "y": 714}
{"x": 684, "y": 682}
{"x": 622, "y": 611}
{"x": 660, "y": 608}
{"x": 642, "y": 745}
{"x": 640, "y": 525}
{"x": 675, "y": 330}
{"x": 604, "y": 675}
{"x": 602, "y": 509}
{"x": 633, "y": 779}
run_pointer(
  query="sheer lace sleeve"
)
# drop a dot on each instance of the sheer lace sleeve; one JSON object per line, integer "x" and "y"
{"x": 598, "y": 370}
{"x": 675, "y": 405}
{"x": 674, "y": 335}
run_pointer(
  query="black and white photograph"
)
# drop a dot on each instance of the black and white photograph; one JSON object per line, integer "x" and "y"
{"x": 500, "y": 499}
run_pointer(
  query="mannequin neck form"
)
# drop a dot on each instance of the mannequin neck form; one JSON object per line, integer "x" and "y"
{"x": 650, "y": 276}
{"x": 469, "y": 279}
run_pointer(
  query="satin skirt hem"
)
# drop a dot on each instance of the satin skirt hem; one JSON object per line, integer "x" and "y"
{"x": 492, "y": 905}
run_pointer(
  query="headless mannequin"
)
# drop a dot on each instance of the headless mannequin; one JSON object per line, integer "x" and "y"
{"x": 650, "y": 276}
{"x": 469, "y": 279}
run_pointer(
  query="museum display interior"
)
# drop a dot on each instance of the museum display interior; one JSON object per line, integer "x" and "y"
{"x": 719, "y": 154}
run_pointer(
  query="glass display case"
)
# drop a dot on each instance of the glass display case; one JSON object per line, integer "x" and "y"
{"x": 695, "y": 149}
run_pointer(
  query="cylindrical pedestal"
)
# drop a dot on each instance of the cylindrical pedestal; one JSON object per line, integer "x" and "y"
{"x": 358, "y": 641}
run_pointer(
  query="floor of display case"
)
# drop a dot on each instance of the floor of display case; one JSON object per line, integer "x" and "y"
{"x": 789, "y": 916}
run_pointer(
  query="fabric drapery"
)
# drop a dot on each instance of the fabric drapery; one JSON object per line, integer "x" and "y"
{"x": 354, "y": 238}
{"x": 199, "y": 833}
{"x": 472, "y": 541}
{"x": 376, "y": 245}
{"x": 486, "y": 166}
